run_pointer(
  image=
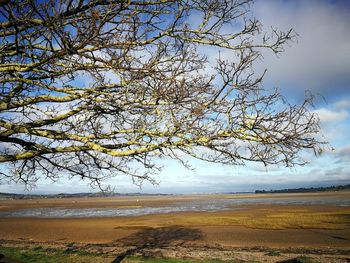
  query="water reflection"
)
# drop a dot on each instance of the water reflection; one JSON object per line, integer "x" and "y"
{"x": 211, "y": 205}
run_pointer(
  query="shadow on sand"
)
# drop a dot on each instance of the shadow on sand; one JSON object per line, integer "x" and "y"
{"x": 151, "y": 238}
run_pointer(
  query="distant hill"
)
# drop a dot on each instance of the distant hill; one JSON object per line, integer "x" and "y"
{"x": 306, "y": 190}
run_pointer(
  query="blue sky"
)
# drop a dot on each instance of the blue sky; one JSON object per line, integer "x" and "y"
{"x": 318, "y": 61}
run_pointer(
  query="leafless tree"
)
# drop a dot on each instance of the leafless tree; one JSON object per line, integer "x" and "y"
{"x": 101, "y": 87}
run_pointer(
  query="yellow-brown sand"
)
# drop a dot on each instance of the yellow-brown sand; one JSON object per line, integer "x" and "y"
{"x": 251, "y": 225}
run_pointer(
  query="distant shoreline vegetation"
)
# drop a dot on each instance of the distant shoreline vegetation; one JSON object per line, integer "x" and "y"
{"x": 306, "y": 190}
{"x": 75, "y": 195}
{"x": 6, "y": 196}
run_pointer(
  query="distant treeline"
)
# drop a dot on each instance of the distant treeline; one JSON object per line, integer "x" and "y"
{"x": 64, "y": 195}
{"x": 306, "y": 190}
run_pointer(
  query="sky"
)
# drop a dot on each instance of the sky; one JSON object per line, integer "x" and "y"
{"x": 318, "y": 61}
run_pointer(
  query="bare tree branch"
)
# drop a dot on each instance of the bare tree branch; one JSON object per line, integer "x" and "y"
{"x": 97, "y": 88}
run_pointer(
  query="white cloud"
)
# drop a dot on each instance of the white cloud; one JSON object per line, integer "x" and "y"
{"x": 327, "y": 115}
{"x": 320, "y": 59}
{"x": 335, "y": 122}
{"x": 343, "y": 104}
{"x": 343, "y": 154}
{"x": 343, "y": 151}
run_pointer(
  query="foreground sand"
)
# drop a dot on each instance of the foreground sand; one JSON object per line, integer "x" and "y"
{"x": 249, "y": 225}
{"x": 109, "y": 230}
{"x": 324, "y": 228}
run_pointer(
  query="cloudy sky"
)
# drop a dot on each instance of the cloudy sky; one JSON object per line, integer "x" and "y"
{"x": 318, "y": 61}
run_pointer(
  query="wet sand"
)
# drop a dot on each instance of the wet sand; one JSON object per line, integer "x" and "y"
{"x": 148, "y": 201}
{"x": 275, "y": 226}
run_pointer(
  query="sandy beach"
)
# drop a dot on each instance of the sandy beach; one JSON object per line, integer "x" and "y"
{"x": 109, "y": 230}
{"x": 279, "y": 226}
{"x": 244, "y": 231}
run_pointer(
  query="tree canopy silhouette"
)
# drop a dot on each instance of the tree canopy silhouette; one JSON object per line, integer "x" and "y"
{"x": 101, "y": 87}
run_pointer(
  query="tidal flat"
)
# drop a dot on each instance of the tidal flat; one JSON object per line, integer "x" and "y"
{"x": 222, "y": 227}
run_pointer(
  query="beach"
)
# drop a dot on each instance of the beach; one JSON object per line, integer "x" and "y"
{"x": 289, "y": 227}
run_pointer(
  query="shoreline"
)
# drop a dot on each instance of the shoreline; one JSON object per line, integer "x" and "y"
{"x": 151, "y": 201}
{"x": 250, "y": 231}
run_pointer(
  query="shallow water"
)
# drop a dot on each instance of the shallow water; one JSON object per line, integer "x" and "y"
{"x": 211, "y": 205}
